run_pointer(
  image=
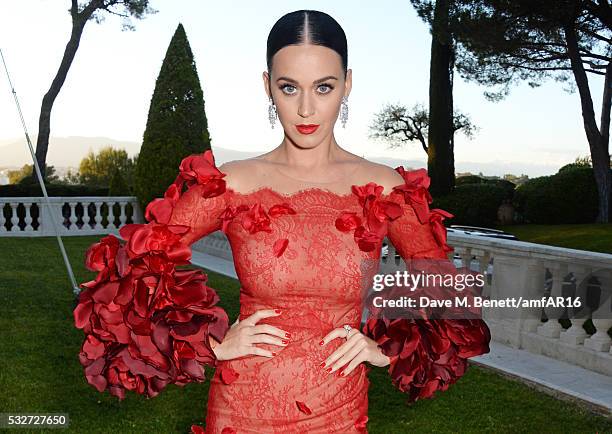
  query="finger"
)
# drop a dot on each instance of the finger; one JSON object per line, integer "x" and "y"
{"x": 271, "y": 330}
{"x": 349, "y": 355}
{"x": 335, "y": 333}
{"x": 358, "y": 359}
{"x": 267, "y": 339}
{"x": 333, "y": 360}
{"x": 251, "y": 349}
{"x": 260, "y": 314}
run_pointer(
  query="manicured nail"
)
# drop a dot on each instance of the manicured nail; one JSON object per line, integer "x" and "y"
{"x": 340, "y": 372}
{"x": 277, "y": 310}
{"x": 287, "y": 334}
{"x": 321, "y": 343}
{"x": 322, "y": 364}
{"x": 285, "y": 341}
{"x": 328, "y": 370}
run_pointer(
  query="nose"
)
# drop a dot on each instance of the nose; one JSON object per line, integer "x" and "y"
{"x": 306, "y": 108}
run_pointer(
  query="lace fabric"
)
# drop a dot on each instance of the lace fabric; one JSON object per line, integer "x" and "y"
{"x": 312, "y": 253}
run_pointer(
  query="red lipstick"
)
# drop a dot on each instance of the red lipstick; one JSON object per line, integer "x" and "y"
{"x": 307, "y": 128}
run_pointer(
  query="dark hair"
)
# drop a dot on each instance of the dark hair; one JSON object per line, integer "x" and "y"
{"x": 307, "y": 26}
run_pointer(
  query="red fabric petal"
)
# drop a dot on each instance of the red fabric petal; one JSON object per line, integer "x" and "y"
{"x": 228, "y": 375}
{"x": 428, "y": 355}
{"x": 228, "y": 430}
{"x": 256, "y": 219}
{"x": 415, "y": 191}
{"x": 348, "y": 221}
{"x": 303, "y": 407}
{"x": 366, "y": 240}
{"x": 197, "y": 429}
{"x": 279, "y": 246}
{"x": 439, "y": 230}
{"x": 360, "y": 423}
{"x": 147, "y": 324}
{"x": 280, "y": 209}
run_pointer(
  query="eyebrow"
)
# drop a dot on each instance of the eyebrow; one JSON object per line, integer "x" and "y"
{"x": 291, "y": 80}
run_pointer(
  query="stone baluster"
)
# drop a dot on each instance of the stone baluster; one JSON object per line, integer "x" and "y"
{"x": 600, "y": 340}
{"x": 122, "y": 215}
{"x": 14, "y": 219}
{"x": 97, "y": 216}
{"x": 28, "y": 217}
{"x": 552, "y": 328}
{"x": 2, "y": 219}
{"x": 576, "y": 334}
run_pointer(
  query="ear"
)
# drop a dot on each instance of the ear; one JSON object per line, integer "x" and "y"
{"x": 348, "y": 83}
{"x": 266, "y": 82}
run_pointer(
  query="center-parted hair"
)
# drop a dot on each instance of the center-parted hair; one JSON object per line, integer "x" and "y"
{"x": 307, "y": 27}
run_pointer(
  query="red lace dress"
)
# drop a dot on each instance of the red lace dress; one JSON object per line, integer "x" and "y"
{"x": 308, "y": 254}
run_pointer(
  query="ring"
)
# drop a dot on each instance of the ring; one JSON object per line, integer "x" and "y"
{"x": 348, "y": 329}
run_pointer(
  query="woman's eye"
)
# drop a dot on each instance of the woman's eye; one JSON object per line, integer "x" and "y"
{"x": 284, "y": 86}
{"x": 327, "y": 86}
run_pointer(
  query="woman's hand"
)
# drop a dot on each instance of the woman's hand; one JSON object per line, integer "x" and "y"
{"x": 240, "y": 338}
{"x": 357, "y": 348}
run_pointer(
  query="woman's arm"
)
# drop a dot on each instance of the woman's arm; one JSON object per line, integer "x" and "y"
{"x": 147, "y": 322}
{"x": 425, "y": 355}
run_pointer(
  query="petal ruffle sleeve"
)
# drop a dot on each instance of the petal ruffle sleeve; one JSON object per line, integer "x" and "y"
{"x": 147, "y": 323}
{"x": 426, "y": 354}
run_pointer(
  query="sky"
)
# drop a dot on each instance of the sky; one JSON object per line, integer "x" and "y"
{"x": 109, "y": 86}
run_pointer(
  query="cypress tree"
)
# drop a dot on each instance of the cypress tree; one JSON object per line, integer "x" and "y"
{"x": 118, "y": 186}
{"x": 176, "y": 124}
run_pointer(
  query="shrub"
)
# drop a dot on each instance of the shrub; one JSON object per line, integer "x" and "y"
{"x": 472, "y": 204}
{"x": 118, "y": 186}
{"x": 569, "y": 196}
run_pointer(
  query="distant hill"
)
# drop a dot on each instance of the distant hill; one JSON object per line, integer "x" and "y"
{"x": 63, "y": 151}
{"x": 68, "y": 151}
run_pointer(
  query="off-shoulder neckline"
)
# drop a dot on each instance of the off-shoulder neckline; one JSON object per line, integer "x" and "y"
{"x": 301, "y": 192}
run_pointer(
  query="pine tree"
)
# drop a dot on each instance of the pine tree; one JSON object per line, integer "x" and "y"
{"x": 176, "y": 124}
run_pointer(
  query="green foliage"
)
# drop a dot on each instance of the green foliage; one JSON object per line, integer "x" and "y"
{"x": 24, "y": 175}
{"x": 507, "y": 185}
{"x": 571, "y": 166}
{"x": 176, "y": 124}
{"x": 34, "y": 190}
{"x": 473, "y": 204}
{"x": 98, "y": 169}
{"x": 469, "y": 179}
{"x": 118, "y": 186}
{"x": 569, "y": 196}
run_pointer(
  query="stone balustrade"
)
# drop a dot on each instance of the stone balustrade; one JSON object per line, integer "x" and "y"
{"x": 513, "y": 269}
{"x": 31, "y": 216}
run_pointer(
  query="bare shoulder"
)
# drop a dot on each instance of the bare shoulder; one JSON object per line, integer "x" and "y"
{"x": 239, "y": 174}
{"x": 383, "y": 175}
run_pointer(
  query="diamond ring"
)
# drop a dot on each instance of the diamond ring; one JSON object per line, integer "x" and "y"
{"x": 348, "y": 329}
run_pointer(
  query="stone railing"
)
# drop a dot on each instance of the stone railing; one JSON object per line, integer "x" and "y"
{"x": 517, "y": 269}
{"x": 513, "y": 269}
{"x": 31, "y": 216}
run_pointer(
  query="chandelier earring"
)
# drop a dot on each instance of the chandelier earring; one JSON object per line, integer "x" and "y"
{"x": 344, "y": 111}
{"x": 272, "y": 113}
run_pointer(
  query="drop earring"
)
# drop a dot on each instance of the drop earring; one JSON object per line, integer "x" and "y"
{"x": 344, "y": 111}
{"x": 272, "y": 113}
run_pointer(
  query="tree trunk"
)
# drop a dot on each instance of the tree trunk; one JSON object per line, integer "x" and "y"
{"x": 599, "y": 141}
{"x": 440, "y": 162}
{"x": 44, "y": 120}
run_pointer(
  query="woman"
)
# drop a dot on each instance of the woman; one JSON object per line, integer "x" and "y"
{"x": 305, "y": 223}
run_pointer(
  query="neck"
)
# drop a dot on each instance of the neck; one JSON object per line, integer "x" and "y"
{"x": 308, "y": 160}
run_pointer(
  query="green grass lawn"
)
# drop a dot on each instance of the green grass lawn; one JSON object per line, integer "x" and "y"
{"x": 592, "y": 237}
{"x": 40, "y": 371}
